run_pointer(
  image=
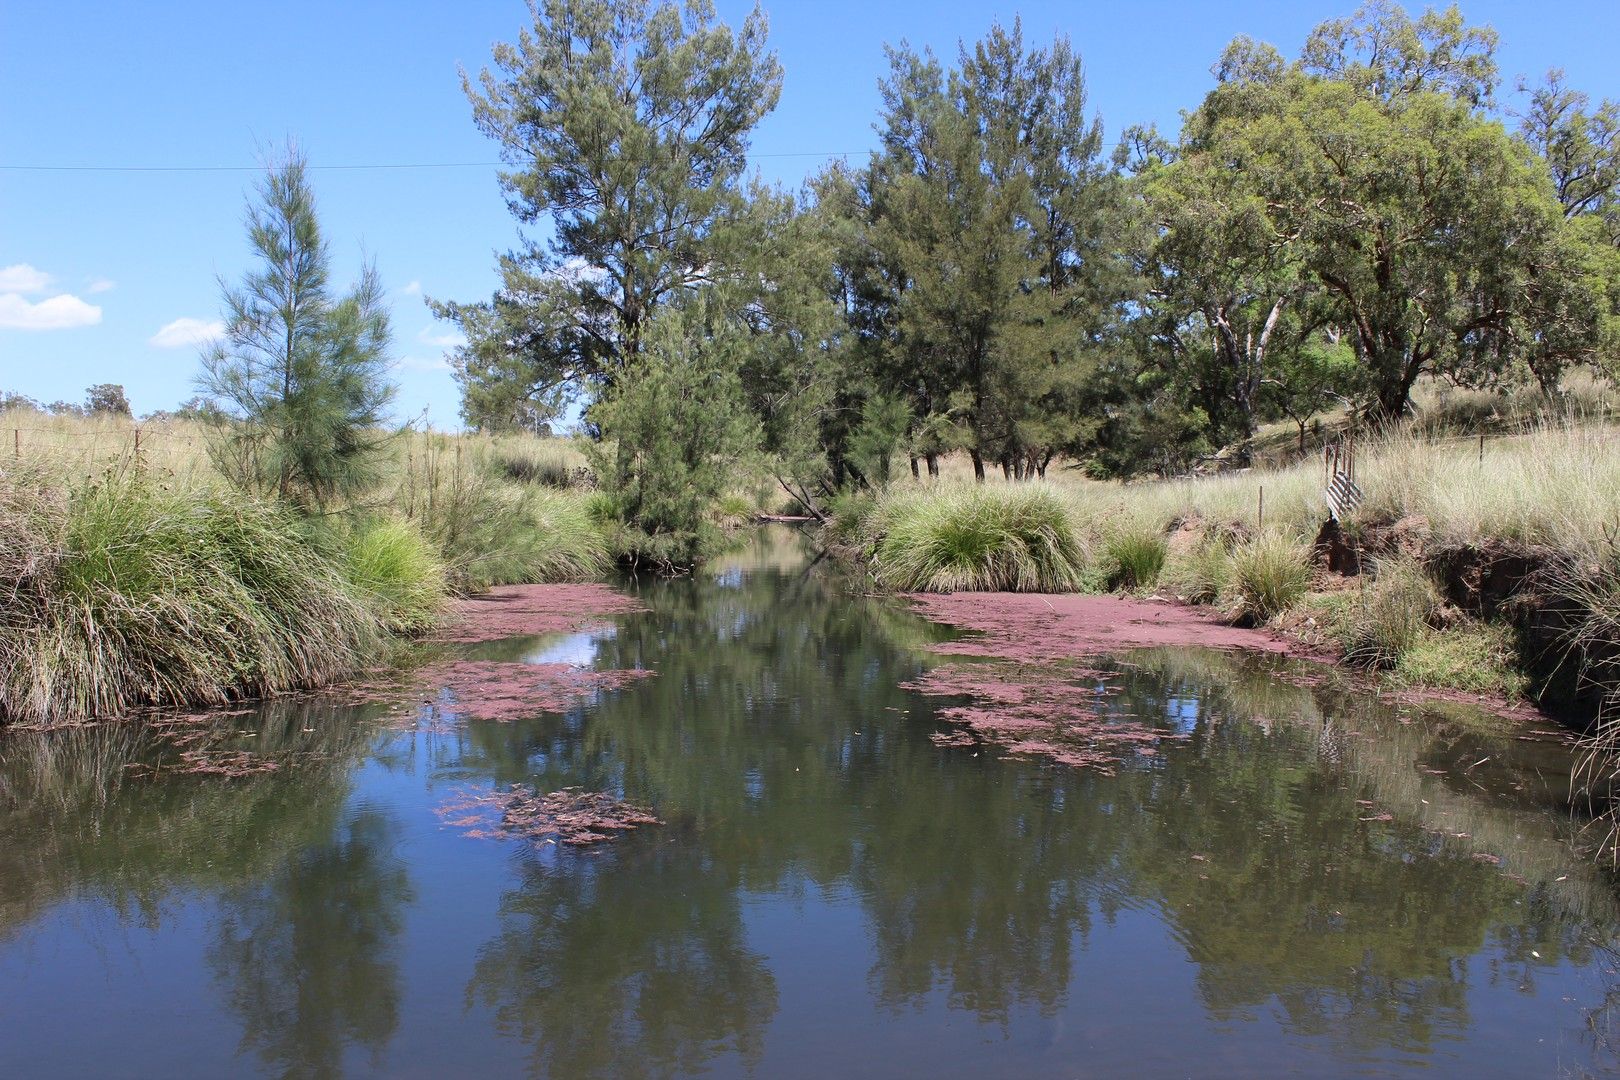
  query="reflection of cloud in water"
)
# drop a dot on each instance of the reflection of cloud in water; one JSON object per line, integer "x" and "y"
{"x": 729, "y": 578}
{"x": 578, "y": 649}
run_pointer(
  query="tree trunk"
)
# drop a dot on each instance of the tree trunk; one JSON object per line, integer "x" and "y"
{"x": 933, "y": 465}
{"x": 915, "y": 473}
{"x": 978, "y": 465}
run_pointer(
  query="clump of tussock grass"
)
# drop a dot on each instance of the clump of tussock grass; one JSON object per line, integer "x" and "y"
{"x": 733, "y": 511}
{"x": 951, "y": 538}
{"x": 122, "y": 593}
{"x": 1270, "y": 574}
{"x": 1134, "y": 558}
{"x": 398, "y": 570}
{"x": 1398, "y": 608}
{"x": 1203, "y": 574}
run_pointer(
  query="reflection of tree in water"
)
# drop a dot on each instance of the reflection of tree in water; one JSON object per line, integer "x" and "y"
{"x": 775, "y": 742}
{"x": 305, "y": 957}
{"x": 605, "y": 976}
{"x": 76, "y": 820}
{"x": 1287, "y": 885}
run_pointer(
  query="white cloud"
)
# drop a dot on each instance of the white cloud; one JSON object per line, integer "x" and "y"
{"x": 416, "y": 363}
{"x": 449, "y": 339}
{"x": 186, "y": 331}
{"x": 413, "y": 289}
{"x": 56, "y": 313}
{"x": 23, "y": 278}
{"x": 101, "y": 285}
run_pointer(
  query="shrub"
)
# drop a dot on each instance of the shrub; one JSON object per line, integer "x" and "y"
{"x": 944, "y": 539}
{"x": 1135, "y": 559}
{"x": 398, "y": 570}
{"x": 1270, "y": 574}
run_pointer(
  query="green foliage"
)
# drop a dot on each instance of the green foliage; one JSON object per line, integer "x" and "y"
{"x": 993, "y": 263}
{"x": 627, "y": 126}
{"x": 397, "y": 569}
{"x": 124, "y": 594}
{"x": 1135, "y": 557}
{"x": 673, "y": 428}
{"x": 302, "y": 376}
{"x": 1270, "y": 574}
{"x": 1018, "y": 539}
{"x": 106, "y": 398}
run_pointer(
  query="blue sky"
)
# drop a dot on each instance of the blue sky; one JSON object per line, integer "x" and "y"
{"x": 117, "y": 270}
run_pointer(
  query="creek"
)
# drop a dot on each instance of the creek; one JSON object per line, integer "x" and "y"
{"x": 1299, "y": 878}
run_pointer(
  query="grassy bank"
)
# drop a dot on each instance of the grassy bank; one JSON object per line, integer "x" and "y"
{"x": 1244, "y": 542}
{"x": 133, "y": 576}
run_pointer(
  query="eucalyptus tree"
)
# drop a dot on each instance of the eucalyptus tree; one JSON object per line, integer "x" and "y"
{"x": 1416, "y": 215}
{"x": 1226, "y": 283}
{"x": 300, "y": 377}
{"x": 626, "y": 126}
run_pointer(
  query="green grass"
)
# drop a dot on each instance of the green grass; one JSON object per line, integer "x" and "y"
{"x": 1475, "y": 658}
{"x": 399, "y": 571}
{"x": 954, "y": 538}
{"x": 123, "y": 592}
{"x": 1270, "y": 574}
{"x": 1134, "y": 559}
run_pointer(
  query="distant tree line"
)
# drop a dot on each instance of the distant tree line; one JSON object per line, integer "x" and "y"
{"x": 996, "y": 279}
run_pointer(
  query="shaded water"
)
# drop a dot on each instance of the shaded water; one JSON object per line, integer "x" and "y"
{"x": 831, "y": 895}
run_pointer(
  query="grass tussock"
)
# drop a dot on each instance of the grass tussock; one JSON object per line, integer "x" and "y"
{"x": 1134, "y": 559}
{"x": 1270, "y": 574}
{"x": 1017, "y": 539}
{"x": 1397, "y": 609}
{"x": 121, "y": 592}
{"x": 399, "y": 571}
{"x": 490, "y": 531}
{"x": 1202, "y": 575}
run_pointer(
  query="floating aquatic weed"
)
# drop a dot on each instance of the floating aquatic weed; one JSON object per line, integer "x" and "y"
{"x": 568, "y": 816}
{"x": 1043, "y": 712}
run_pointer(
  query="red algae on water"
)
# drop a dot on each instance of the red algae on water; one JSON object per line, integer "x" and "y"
{"x": 1036, "y": 702}
{"x": 1032, "y": 626}
{"x": 527, "y": 610}
{"x": 568, "y": 816}
{"x": 1044, "y": 712}
{"x": 461, "y": 689}
{"x": 490, "y": 690}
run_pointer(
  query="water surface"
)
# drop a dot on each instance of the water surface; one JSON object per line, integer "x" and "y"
{"x": 1312, "y": 882}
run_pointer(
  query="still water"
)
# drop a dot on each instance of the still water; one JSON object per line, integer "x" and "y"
{"x": 1312, "y": 882}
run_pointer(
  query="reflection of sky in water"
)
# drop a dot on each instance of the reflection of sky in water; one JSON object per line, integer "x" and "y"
{"x": 730, "y": 578}
{"x": 578, "y": 649}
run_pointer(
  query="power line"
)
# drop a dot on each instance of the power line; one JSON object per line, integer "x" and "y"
{"x": 349, "y": 168}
